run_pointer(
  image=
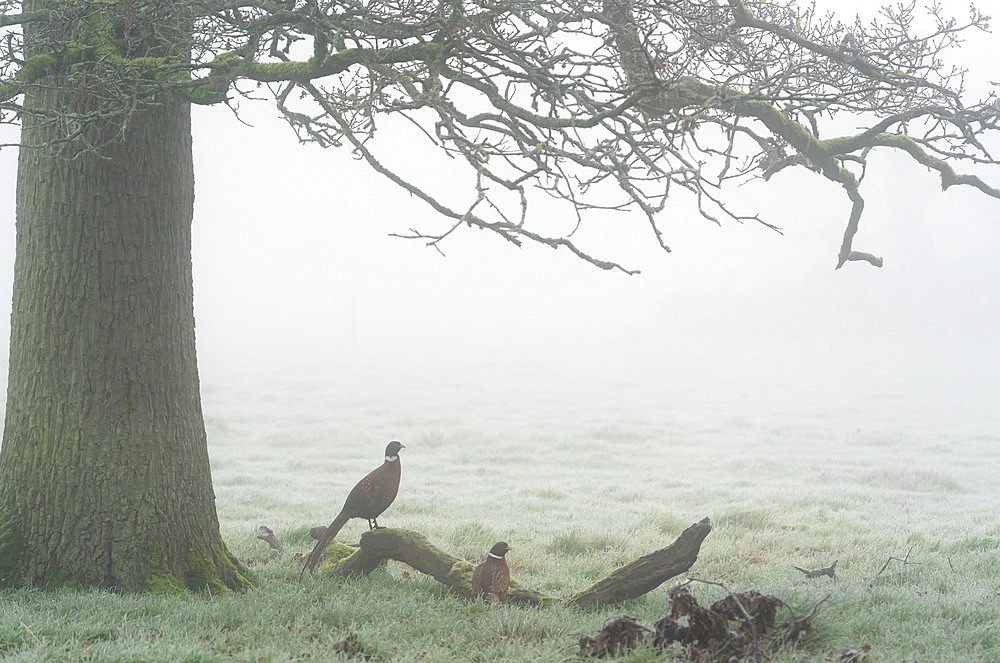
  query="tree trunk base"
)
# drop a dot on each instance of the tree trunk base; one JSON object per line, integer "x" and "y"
{"x": 216, "y": 569}
{"x": 413, "y": 549}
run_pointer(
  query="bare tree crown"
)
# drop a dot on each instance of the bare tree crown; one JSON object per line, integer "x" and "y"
{"x": 601, "y": 104}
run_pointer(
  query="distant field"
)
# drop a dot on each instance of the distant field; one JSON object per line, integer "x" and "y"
{"x": 580, "y": 471}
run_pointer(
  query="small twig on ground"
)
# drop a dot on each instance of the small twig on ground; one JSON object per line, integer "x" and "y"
{"x": 795, "y": 626}
{"x": 905, "y": 559}
{"x": 854, "y": 654}
{"x": 264, "y": 533}
{"x": 816, "y": 573}
{"x": 812, "y": 613}
{"x": 31, "y": 633}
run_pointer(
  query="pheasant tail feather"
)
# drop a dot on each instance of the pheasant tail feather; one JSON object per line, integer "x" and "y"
{"x": 312, "y": 561}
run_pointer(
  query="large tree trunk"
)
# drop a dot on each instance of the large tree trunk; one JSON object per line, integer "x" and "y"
{"x": 104, "y": 466}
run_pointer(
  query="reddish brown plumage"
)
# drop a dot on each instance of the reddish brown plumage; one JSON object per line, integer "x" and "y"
{"x": 491, "y": 579}
{"x": 368, "y": 499}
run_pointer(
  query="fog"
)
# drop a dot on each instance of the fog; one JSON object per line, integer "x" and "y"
{"x": 296, "y": 274}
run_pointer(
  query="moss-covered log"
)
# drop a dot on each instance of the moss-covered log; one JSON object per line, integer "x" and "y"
{"x": 413, "y": 549}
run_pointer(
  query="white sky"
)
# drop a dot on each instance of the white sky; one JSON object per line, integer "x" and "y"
{"x": 293, "y": 264}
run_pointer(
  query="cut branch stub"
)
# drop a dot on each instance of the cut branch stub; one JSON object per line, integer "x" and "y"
{"x": 265, "y": 533}
{"x": 412, "y": 548}
{"x": 647, "y": 573}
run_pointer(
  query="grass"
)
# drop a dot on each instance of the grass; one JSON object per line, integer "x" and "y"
{"x": 579, "y": 475}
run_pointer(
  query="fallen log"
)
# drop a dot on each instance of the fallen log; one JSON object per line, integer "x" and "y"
{"x": 413, "y": 549}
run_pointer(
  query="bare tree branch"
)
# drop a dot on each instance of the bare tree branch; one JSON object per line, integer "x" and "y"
{"x": 601, "y": 105}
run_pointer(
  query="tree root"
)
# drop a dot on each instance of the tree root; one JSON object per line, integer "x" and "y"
{"x": 413, "y": 549}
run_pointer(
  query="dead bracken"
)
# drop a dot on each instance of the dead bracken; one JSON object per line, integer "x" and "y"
{"x": 619, "y": 635}
{"x": 739, "y": 627}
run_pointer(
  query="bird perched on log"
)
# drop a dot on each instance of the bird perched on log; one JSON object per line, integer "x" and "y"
{"x": 367, "y": 500}
{"x": 491, "y": 579}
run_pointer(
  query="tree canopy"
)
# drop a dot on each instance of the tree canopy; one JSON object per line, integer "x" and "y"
{"x": 601, "y": 104}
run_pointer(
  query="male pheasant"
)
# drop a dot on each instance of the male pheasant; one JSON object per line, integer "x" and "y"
{"x": 491, "y": 579}
{"x": 367, "y": 500}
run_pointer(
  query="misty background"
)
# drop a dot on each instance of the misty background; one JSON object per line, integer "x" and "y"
{"x": 298, "y": 283}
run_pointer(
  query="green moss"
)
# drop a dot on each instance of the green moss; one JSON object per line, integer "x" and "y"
{"x": 225, "y": 59}
{"x": 163, "y": 583}
{"x": 407, "y": 536}
{"x": 38, "y": 66}
{"x": 460, "y": 578}
{"x": 201, "y": 573}
{"x": 229, "y": 66}
{"x": 60, "y": 579}
{"x": 218, "y": 571}
{"x": 159, "y": 580}
{"x": 838, "y": 144}
{"x": 24, "y": 18}
{"x": 282, "y": 71}
{"x": 237, "y": 575}
{"x": 334, "y": 553}
{"x": 11, "y": 547}
{"x": 44, "y": 64}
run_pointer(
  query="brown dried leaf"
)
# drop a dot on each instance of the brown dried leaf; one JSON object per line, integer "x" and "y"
{"x": 349, "y": 646}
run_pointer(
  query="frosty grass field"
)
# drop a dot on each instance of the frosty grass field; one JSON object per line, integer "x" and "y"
{"x": 580, "y": 471}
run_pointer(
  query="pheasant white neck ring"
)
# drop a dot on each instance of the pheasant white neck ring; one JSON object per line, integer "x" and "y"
{"x": 495, "y": 556}
{"x": 391, "y": 459}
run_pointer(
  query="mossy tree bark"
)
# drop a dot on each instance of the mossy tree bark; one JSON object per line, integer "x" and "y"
{"x": 104, "y": 468}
